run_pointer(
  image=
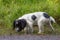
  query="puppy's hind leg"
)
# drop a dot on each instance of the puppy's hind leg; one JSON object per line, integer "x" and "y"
{"x": 40, "y": 26}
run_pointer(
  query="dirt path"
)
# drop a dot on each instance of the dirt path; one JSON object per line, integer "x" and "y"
{"x": 30, "y": 37}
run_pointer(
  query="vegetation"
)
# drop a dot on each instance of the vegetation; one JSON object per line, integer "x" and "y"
{"x": 12, "y": 9}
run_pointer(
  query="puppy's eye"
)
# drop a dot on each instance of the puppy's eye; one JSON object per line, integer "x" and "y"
{"x": 16, "y": 22}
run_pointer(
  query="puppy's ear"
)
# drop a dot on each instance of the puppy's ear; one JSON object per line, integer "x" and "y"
{"x": 14, "y": 24}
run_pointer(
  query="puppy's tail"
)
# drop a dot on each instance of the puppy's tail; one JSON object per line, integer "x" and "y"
{"x": 52, "y": 19}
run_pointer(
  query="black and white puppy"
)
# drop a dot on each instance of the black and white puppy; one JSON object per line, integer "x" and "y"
{"x": 36, "y": 18}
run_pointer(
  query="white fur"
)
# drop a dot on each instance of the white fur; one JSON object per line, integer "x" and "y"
{"x": 40, "y": 20}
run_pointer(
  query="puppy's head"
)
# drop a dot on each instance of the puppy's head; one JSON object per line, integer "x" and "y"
{"x": 19, "y": 25}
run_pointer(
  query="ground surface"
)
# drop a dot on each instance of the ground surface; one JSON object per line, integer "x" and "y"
{"x": 31, "y": 37}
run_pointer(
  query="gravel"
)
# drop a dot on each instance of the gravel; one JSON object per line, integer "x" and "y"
{"x": 30, "y": 37}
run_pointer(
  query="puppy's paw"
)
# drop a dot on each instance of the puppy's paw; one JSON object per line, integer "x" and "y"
{"x": 40, "y": 33}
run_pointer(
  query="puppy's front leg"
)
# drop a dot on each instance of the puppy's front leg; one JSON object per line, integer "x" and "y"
{"x": 51, "y": 26}
{"x": 30, "y": 27}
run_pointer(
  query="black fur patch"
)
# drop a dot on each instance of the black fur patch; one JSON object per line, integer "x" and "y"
{"x": 33, "y": 17}
{"x": 21, "y": 24}
{"x": 46, "y": 15}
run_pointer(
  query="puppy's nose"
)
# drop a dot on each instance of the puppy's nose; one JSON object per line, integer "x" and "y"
{"x": 17, "y": 29}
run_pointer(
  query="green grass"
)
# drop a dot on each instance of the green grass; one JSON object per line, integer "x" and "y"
{"x": 12, "y": 9}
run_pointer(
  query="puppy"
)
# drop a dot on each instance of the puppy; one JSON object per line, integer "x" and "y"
{"x": 37, "y": 18}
